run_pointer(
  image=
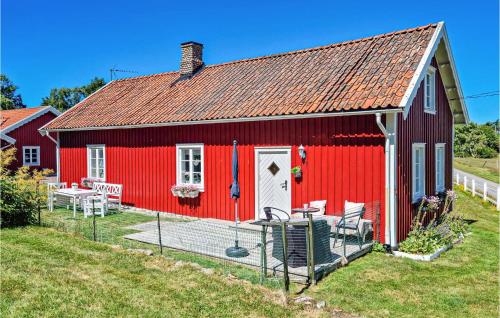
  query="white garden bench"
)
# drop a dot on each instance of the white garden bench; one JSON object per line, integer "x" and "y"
{"x": 112, "y": 191}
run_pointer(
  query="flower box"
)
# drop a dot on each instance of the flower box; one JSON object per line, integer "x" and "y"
{"x": 185, "y": 191}
{"x": 430, "y": 257}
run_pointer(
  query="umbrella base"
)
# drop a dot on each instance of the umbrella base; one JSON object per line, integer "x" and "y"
{"x": 236, "y": 251}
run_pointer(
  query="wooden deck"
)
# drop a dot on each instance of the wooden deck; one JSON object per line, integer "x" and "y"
{"x": 211, "y": 237}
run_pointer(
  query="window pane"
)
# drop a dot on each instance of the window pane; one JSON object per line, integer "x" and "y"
{"x": 101, "y": 173}
{"x": 34, "y": 157}
{"x": 100, "y": 152}
{"x": 93, "y": 173}
{"x": 93, "y": 153}
{"x": 196, "y": 177}
{"x": 101, "y": 164}
{"x": 184, "y": 154}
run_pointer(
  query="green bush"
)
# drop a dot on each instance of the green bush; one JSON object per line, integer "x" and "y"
{"x": 422, "y": 242}
{"x": 21, "y": 192}
{"x": 17, "y": 208}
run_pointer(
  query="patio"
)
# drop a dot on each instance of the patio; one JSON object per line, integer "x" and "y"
{"x": 211, "y": 237}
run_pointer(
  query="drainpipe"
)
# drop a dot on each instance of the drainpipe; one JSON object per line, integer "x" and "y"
{"x": 58, "y": 170}
{"x": 389, "y": 132}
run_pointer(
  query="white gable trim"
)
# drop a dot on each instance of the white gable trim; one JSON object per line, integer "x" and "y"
{"x": 8, "y": 139}
{"x": 425, "y": 62}
{"x": 31, "y": 117}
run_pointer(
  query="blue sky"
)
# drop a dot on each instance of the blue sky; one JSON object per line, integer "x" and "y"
{"x": 48, "y": 44}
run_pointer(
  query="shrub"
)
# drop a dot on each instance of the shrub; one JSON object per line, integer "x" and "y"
{"x": 21, "y": 193}
{"x": 439, "y": 232}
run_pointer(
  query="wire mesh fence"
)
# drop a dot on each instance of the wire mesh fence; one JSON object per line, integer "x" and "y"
{"x": 271, "y": 252}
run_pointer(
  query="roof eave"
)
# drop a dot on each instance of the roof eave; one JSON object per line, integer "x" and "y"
{"x": 31, "y": 117}
{"x": 44, "y": 129}
{"x": 438, "y": 40}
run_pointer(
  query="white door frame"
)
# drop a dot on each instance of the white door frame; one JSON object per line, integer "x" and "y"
{"x": 258, "y": 151}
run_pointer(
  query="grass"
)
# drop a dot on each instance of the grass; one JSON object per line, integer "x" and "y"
{"x": 47, "y": 273}
{"x": 112, "y": 228}
{"x": 484, "y": 168}
{"x": 463, "y": 282}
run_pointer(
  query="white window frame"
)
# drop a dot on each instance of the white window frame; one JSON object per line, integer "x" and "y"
{"x": 440, "y": 178}
{"x": 430, "y": 91}
{"x": 89, "y": 168}
{"x": 30, "y": 149}
{"x": 416, "y": 195}
{"x": 201, "y": 147}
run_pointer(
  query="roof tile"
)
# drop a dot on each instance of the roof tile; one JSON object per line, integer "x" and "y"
{"x": 363, "y": 74}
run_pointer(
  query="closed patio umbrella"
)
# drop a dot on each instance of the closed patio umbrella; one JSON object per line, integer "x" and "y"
{"x": 235, "y": 251}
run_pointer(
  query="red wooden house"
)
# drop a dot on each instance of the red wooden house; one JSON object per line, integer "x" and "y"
{"x": 19, "y": 129}
{"x": 374, "y": 117}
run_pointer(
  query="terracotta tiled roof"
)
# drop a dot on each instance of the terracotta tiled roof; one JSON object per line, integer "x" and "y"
{"x": 10, "y": 117}
{"x": 364, "y": 74}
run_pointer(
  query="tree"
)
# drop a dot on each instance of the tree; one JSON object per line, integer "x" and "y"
{"x": 477, "y": 141}
{"x": 8, "y": 98}
{"x": 64, "y": 98}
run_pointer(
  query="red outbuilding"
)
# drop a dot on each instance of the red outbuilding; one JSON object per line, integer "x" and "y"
{"x": 19, "y": 129}
{"x": 369, "y": 120}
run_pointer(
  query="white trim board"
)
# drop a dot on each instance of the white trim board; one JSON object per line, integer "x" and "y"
{"x": 438, "y": 36}
{"x": 229, "y": 120}
{"x": 31, "y": 117}
{"x": 6, "y": 138}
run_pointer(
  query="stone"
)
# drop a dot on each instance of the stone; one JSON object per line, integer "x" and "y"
{"x": 207, "y": 271}
{"x": 141, "y": 251}
{"x": 321, "y": 304}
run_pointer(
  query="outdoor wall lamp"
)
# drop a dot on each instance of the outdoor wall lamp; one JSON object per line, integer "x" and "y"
{"x": 302, "y": 152}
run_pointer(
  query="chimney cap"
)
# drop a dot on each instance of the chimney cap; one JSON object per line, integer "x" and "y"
{"x": 191, "y": 43}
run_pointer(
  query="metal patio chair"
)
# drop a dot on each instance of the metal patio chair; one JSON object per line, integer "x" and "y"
{"x": 350, "y": 221}
{"x": 268, "y": 210}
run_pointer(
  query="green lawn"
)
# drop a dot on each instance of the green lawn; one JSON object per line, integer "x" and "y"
{"x": 47, "y": 273}
{"x": 484, "y": 168}
{"x": 463, "y": 282}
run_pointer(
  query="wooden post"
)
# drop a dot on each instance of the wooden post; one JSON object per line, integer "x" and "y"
{"x": 286, "y": 279}
{"x": 473, "y": 187}
{"x": 93, "y": 218}
{"x": 310, "y": 247}
{"x": 485, "y": 191}
{"x": 263, "y": 256}
{"x": 159, "y": 232}
{"x": 38, "y": 203}
{"x": 498, "y": 198}
{"x": 465, "y": 183}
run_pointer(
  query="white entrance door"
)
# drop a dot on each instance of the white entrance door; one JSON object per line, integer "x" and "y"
{"x": 272, "y": 180}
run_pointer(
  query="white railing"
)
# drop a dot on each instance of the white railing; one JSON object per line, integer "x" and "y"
{"x": 488, "y": 192}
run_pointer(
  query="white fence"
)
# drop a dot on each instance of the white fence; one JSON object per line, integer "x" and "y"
{"x": 483, "y": 189}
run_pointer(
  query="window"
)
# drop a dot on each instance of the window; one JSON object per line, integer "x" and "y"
{"x": 31, "y": 155}
{"x": 440, "y": 164}
{"x": 418, "y": 171}
{"x": 430, "y": 90}
{"x": 190, "y": 164}
{"x": 96, "y": 162}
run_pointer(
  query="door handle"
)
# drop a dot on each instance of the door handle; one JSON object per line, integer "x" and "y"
{"x": 284, "y": 185}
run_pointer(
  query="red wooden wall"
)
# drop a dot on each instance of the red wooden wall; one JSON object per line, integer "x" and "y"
{"x": 345, "y": 161}
{"x": 424, "y": 128}
{"x": 28, "y": 135}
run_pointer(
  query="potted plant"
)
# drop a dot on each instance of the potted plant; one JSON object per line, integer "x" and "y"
{"x": 89, "y": 182}
{"x": 297, "y": 172}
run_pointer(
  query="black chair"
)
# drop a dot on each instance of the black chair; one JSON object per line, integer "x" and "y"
{"x": 268, "y": 210}
{"x": 350, "y": 221}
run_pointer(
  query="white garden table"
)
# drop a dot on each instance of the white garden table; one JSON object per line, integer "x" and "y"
{"x": 76, "y": 194}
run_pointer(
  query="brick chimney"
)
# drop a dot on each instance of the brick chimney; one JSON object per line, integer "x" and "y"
{"x": 192, "y": 58}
